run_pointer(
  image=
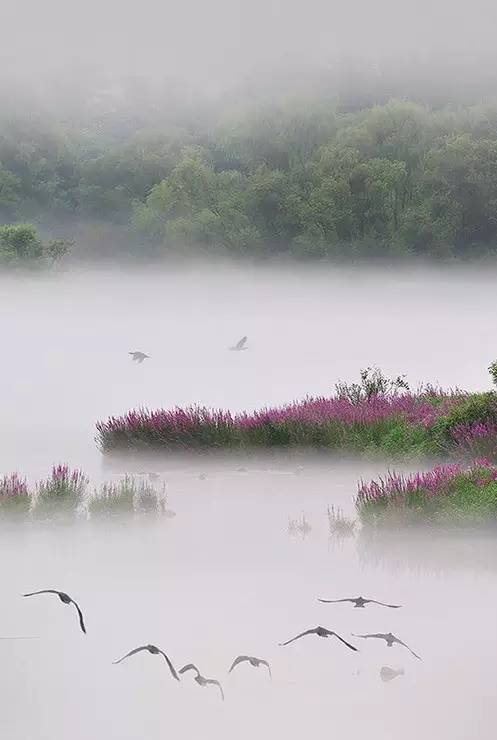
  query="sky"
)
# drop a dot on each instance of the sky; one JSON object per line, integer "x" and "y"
{"x": 221, "y": 41}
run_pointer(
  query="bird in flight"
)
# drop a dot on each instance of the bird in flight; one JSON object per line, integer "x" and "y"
{"x": 390, "y": 640}
{"x": 153, "y": 650}
{"x": 139, "y": 357}
{"x": 255, "y": 662}
{"x": 388, "y": 674}
{"x": 359, "y": 602}
{"x": 320, "y": 632}
{"x": 239, "y": 346}
{"x": 201, "y": 680}
{"x": 65, "y": 600}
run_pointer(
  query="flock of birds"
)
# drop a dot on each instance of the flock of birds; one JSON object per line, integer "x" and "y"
{"x": 386, "y": 673}
{"x": 139, "y": 357}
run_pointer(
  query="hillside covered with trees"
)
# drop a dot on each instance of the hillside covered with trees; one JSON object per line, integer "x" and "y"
{"x": 303, "y": 174}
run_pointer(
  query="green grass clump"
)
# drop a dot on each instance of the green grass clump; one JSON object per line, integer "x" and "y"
{"x": 126, "y": 497}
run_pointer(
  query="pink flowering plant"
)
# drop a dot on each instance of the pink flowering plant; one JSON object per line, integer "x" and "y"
{"x": 446, "y": 493}
{"x": 63, "y": 486}
{"x": 14, "y": 494}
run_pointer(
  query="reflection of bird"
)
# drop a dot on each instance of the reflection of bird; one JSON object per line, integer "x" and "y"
{"x": 320, "y": 632}
{"x": 153, "y": 650}
{"x": 388, "y": 674}
{"x": 359, "y": 602}
{"x": 390, "y": 640}
{"x": 255, "y": 662}
{"x": 139, "y": 356}
{"x": 65, "y": 600}
{"x": 239, "y": 345}
{"x": 201, "y": 680}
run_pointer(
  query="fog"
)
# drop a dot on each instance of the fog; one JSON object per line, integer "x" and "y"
{"x": 215, "y": 45}
{"x": 225, "y": 575}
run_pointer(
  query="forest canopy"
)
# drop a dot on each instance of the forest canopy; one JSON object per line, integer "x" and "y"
{"x": 302, "y": 174}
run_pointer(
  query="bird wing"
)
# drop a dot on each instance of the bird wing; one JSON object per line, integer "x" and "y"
{"x": 189, "y": 667}
{"x": 171, "y": 667}
{"x": 383, "y": 637}
{"x": 302, "y": 634}
{"x": 407, "y": 646}
{"x": 241, "y": 343}
{"x": 382, "y": 603}
{"x": 44, "y": 591}
{"x": 215, "y": 683}
{"x": 131, "y": 652}
{"x": 344, "y": 641}
{"x": 335, "y": 601}
{"x": 240, "y": 659}
{"x": 264, "y": 662}
{"x": 80, "y": 615}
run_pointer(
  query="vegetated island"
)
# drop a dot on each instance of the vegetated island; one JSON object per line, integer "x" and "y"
{"x": 377, "y": 416}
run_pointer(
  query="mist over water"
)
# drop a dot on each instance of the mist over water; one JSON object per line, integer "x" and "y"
{"x": 225, "y": 576}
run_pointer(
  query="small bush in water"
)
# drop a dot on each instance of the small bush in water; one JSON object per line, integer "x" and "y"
{"x": 447, "y": 493}
{"x": 126, "y": 496}
{"x": 14, "y": 494}
{"x": 64, "y": 486}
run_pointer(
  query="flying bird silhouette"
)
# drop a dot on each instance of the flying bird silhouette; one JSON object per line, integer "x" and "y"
{"x": 65, "y": 600}
{"x": 390, "y": 640}
{"x": 139, "y": 357}
{"x": 388, "y": 674}
{"x": 239, "y": 346}
{"x": 153, "y": 650}
{"x": 255, "y": 662}
{"x": 359, "y": 602}
{"x": 201, "y": 680}
{"x": 320, "y": 632}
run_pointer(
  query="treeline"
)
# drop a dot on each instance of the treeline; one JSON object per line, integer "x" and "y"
{"x": 300, "y": 176}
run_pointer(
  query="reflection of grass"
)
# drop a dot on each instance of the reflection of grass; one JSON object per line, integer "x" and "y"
{"x": 339, "y": 525}
{"x": 448, "y": 494}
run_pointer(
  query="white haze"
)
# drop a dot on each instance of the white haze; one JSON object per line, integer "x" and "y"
{"x": 214, "y": 44}
{"x": 225, "y": 576}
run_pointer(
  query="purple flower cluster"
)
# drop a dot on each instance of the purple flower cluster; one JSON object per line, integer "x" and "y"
{"x": 467, "y": 434}
{"x": 311, "y": 411}
{"x": 395, "y": 486}
{"x": 63, "y": 482}
{"x": 12, "y": 486}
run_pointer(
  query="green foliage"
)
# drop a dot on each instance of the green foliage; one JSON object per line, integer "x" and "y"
{"x": 21, "y": 245}
{"x": 373, "y": 383}
{"x": 300, "y": 176}
{"x": 493, "y": 371}
{"x": 474, "y": 408}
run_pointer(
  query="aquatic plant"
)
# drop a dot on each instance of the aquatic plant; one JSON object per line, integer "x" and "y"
{"x": 64, "y": 487}
{"x": 446, "y": 493}
{"x": 14, "y": 494}
{"x": 391, "y": 424}
{"x": 339, "y": 525}
{"x": 127, "y": 496}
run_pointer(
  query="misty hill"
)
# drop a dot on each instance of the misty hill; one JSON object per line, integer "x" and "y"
{"x": 323, "y": 172}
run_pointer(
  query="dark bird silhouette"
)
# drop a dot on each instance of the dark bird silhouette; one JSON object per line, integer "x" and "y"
{"x": 359, "y": 602}
{"x": 255, "y": 662}
{"x": 239, "y": 346}
{"x": 65, "y": 600}
{"x": 388, "y": 674}
{"x": 390, "y": 640}
{"x": 139, "y": 356}
{"x": 153, "y": 650}
{"x": 320, "y": 632}
{"x": 201, "y": 680}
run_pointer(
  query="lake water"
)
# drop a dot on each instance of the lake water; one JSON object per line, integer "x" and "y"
{"x": 227, "y": 575}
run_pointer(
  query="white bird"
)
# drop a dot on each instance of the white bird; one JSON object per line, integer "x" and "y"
{"x": 390, "y": 639}
{"x": 139, "y": 357}
{"x": 239, "y": 345}
{"x": 66, "y": 599}
{"x": 153, "y": 650}
{"x": 255, "y": 662}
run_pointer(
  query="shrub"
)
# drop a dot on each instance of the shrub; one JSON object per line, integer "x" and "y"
{"x": 373, "y": 383}
{"x": 14, "y": 495}
{"x": 65, "y": 487}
